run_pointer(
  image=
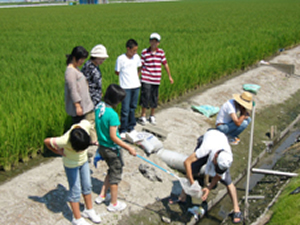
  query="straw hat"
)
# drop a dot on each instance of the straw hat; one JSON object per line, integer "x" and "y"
{"x": 245, "y": 99}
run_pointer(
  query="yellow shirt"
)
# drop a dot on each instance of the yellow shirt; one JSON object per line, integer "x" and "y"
{"x": 72, "y": 158}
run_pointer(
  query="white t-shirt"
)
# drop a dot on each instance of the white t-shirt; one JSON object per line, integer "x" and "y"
{"x": 213, "y": 141}
{"x": 225, "y": 111}
{"x": 128, "y": 71}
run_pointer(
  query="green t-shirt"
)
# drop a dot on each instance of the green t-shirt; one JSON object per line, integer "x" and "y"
{"x": 106, "y": 117}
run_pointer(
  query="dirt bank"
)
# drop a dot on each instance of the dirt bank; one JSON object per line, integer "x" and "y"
{"x": 38, "y": 195}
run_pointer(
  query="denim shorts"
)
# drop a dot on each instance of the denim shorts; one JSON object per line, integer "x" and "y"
{"x": 149, "y": 95}
{"x": 114, "y": 161}
{"x": 79, "y": 179}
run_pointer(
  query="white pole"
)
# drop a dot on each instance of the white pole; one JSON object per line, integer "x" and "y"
{"x": 274, "y": 172}
{"x": 249, "y": 163}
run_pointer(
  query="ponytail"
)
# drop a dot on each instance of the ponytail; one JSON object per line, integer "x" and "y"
{"x": 78, "y": 52}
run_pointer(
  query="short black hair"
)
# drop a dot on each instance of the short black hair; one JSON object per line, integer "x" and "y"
{"x": 114, "y": 95}
{"x": 79, "y": 139}
{"x": 131, "y": 43}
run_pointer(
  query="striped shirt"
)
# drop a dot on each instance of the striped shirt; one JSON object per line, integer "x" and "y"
{"x": 151, "y": 65}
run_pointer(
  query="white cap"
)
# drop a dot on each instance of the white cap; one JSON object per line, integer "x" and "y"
{"x": 224, "y": 160}
{"x": 99, "y": 51}
{"x": 155, "y": 36}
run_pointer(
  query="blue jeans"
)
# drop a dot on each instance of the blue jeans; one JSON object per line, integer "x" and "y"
{"x": 230, "y": 129}
{"x": 129, "y": 105}
{"x": 79, "y": 179}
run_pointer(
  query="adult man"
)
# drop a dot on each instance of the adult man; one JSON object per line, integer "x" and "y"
{"x": 215, "y": 153}
{"x": 228, "y": 120}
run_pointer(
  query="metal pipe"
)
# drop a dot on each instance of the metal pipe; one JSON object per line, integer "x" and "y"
{"x": 249, "y": 163}
{"x": 274, "y": 172}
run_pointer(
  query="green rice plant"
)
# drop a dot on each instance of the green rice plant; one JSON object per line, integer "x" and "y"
{"x": 203, "y": 40}
{"x": 285, "y": 211}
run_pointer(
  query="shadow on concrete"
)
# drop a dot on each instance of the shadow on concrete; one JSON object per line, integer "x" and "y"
{"x": 56, "y": 201}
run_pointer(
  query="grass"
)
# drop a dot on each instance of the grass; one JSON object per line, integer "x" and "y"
{"x": 285, "y": 211}
{"x": 203, "y": 40}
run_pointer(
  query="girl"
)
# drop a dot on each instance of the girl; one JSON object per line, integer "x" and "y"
{"x": 107, "y": 122}
{"x": 72, "y": 146}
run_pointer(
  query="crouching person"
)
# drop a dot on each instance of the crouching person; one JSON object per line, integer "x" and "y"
{"x": 215, "y": 153}
{"x": 73, "y": 148}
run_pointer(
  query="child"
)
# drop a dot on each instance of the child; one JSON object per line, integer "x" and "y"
{"x": 233, "y": 117}
{"x": 128, "y": 68}
{"x": 107, "y": 122}
{"x": 72, "y": 146}
{"x": 152, "y": 58}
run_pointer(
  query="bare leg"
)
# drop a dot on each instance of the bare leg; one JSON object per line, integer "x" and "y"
{"x": 143, "y": 112}
{"x": 88, "y": 201}
{"x": 105, "y": 186}
{"x": 75, "y": 209}
{"x": 114, "y": 193}
{"x": 233, "y": 195}
{"x": 152, "y": 111}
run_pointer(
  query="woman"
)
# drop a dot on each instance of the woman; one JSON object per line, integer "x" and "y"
{"x": 93, "y": 74}
{"x": 77, "y": 98}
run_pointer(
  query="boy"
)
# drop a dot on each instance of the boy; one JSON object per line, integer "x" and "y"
{"x": 107, "y": 122}
{"x": 73, "y": 147}
{"x": 128, "y": 67}
{"x": 152, "y": 58}
{"x": 217, "y": 156}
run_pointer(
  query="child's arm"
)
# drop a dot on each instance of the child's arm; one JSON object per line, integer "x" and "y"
{"x": 169, "y": 73}
{"x": 118, "y": 141}
{"x": 58, "y": 151}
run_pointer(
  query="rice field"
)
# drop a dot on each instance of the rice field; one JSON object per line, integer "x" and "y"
{"x": 203, "y": 40}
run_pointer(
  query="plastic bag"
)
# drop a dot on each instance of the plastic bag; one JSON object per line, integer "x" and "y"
{"x": 97, "y": 158}
{"x": 150, "y": 143}
{"x": 134, "y": 136}
{"x": 206, "y": 110}
{"x": 193, "y": 190}
{"x": 253, "y": 88}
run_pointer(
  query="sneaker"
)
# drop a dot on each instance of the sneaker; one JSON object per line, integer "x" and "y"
{"x": 91, "y": 214}
{"x": 123, "y": 135}
{"x": 118, "y": 207}
{"x": 152, "y": 120}
{"x": 234, "y": 141}
{"x": 142, "y": 120}
{"x": 100, "y": 199}
{"x": 80, "y": 221}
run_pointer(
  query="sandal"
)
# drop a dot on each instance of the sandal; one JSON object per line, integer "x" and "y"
{"x": 176, "y": 200}
{"x": 237, "y": 217}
